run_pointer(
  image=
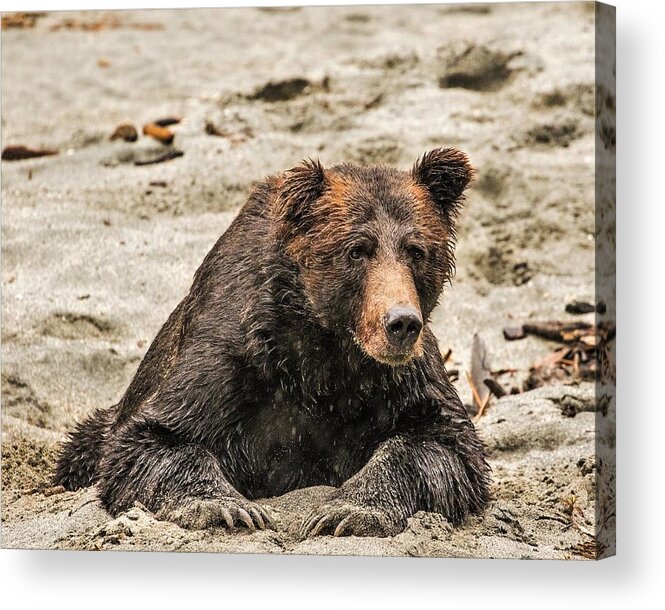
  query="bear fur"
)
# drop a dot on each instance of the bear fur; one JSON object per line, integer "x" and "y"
{"x": 302, "y": 356}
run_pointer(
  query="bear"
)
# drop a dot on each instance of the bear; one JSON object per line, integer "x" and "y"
{"x": 301, "y": 356}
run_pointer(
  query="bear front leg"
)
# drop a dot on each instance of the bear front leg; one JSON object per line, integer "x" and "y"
{"x": 179, "y": 482}
{"x": 440, "y": 469}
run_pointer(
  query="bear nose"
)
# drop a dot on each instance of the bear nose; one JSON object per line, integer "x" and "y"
{"x": 403, "y": 325}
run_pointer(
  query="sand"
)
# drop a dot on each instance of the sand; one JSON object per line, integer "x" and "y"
{"x": 97, "y": 251}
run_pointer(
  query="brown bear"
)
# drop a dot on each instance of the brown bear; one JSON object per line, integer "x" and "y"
{"x": 302, "y": 356}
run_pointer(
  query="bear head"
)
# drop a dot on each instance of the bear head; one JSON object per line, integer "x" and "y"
{"x": 373, "y": 246}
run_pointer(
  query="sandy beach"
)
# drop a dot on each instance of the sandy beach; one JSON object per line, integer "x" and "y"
{"x": 97, "y": 250}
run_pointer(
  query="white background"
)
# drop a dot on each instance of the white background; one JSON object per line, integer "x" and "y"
{"x": 633, "y": 579}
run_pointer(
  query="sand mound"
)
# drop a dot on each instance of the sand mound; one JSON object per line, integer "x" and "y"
{"x": 472, "y": 66}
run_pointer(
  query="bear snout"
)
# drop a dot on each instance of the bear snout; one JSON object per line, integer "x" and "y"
{"x": 391, "y": 323}
{"x": 403, "y": 326}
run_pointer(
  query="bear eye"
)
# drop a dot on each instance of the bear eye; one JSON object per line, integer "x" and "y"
{"x": 357, "y": 253}
{"x": 417, "y": 254}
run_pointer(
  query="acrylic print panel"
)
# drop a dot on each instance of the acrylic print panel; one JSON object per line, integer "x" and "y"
{"x": 321, "y": 384}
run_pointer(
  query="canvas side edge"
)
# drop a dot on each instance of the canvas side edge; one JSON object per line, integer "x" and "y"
{"x": 605, "y": 277}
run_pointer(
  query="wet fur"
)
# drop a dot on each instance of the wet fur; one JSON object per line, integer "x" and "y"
{"x": 259, "y": 382}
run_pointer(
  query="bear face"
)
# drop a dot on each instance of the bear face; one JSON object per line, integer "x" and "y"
{"x": 374, "y": 246}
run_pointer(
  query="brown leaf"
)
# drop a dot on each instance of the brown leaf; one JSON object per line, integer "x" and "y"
{"x": 580, "y": 307}
{"x": 495, "y": 387}
{"x": 20, "y": 20}
{"x": 166, "y": 121}
{"x": 126, "y": 132}
{"x": 165, "y": 136}
{"x": 18, "y": 153}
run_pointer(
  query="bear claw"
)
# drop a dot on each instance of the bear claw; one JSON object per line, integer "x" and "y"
{"x": 203, "y": 513}
{"x": 340, "y": 518}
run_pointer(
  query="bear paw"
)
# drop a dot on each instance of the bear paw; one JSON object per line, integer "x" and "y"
{"x": 230, "y": 512}
{"x": 342, "y": 518}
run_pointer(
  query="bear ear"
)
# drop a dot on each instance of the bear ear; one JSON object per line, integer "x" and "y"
{"x": 302, "y": 186}
{"x": 445, "y": 173}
